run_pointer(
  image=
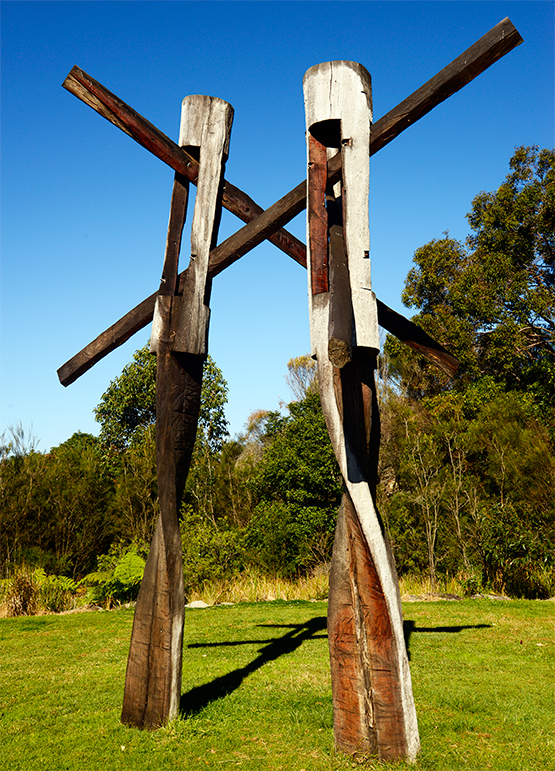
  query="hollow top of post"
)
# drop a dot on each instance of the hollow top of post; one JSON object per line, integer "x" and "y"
{"x": 337, "y": 90}
{"x": 197, "y": 113}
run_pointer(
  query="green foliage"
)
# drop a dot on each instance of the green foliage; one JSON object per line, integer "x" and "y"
{"x": 491, "y": 302}
{"x": 299, "y": 488}
{"x": 54, "y": 508}
{"x": 117, "y": 578}
{"x": 467, "y": 479}
{"x": 204, "y": 474}
{"x": 210, "y": 552}
{"x": 474, "y": 494}
{"x": 289, "y": 540}
{"x": 134, "y": 507}
{"x": 129, "y": 403}
{"x": 212, "y": 423}
{"x": 28, "y": 591}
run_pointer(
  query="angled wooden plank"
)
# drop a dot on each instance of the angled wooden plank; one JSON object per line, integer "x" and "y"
{"x": 120, "y": 114}
{"x": 475, "y": 60}
{"x": 496, "y": 43}
{"x": 491, "y": 47}
{"x": 414, "y": 336}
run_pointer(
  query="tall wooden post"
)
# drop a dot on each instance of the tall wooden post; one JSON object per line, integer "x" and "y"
{"x": 179, "y": 339}
{"x": 371, "y": 685}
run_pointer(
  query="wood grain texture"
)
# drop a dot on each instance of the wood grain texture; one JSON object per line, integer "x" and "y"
{"x": 317, "y": 215}
{"x": 341, "y": 321}
{"x": 367, "y": 665}
{"x": 205, "y": 124}
{"x": 153, "y": 678}
{"x": 491, "y": 47}
{"x": 161, "y": 326}
{"x": 372, "y": 692}
{"x": 338, "y": 107}
{"x": 365, "y": 677}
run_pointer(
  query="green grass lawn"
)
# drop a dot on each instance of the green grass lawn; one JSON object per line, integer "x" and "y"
{"x": 257, "y": 695}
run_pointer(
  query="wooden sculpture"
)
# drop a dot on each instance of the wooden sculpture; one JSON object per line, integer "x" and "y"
{"x": 372, "y": 692}
{"x": 179, "y": 340}
{"x": 373, "y": 705}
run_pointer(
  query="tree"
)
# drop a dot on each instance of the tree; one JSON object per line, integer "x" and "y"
{"x": 128, "y": 406}
{"x": 476, "y": 477}
{"x": 55, "y": 507}
{"x": 299, "y": 488}
{"x": 302, "y": 376}
{"x": 80, "y": 493}
{"x": 491, "y": 301}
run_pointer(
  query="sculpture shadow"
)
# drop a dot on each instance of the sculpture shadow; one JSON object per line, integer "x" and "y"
{"x": 409, "y": 627}
{"x": 201, "y": 696}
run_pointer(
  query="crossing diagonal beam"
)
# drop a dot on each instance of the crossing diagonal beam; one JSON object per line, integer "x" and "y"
{"x": 267, "y": 224}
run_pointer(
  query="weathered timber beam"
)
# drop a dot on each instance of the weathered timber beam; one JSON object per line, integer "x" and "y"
{"x": 412, "y": 335}
{"x": 120, "y": 114}
{"x": 408, "y": 332}
{"x": 485, "y": 52}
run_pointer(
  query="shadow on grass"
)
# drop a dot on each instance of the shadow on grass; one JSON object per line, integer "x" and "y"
{"x": 203, "y": 695}
{"x": 200, "y": 697}
{"x": 409, "y": 627}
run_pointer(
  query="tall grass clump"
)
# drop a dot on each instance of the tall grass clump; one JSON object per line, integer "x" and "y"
{"x": 254, "y": 586}
{"x": 30, "y": 591}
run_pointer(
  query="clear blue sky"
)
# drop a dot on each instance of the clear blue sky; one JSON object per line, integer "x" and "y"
{"x": 85, "y": 209}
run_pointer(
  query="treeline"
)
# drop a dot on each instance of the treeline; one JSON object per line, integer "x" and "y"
{"x": 466, "y": 469}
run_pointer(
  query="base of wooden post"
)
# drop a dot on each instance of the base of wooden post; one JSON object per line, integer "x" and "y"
{"x": 153, "y": 678}
{"x": 367, "y": 700}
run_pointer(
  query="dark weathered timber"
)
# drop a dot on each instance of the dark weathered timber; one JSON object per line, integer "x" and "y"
{"x": 341, "y": 321}
{"x": 485, "y": 52}
{"x": 492, "y": 46}
{"x": 317, "y": 215}
{"x": 417, "y": 339}
{"x": 178, "y": 211}
{"x": 111, "y": 107}
{"x": 500, "y": 40}
{"x": 153, "y": 678}
{"x": 408, "y": 332}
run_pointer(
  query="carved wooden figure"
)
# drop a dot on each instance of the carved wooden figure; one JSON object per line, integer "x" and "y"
{"x": 373, "y": 706}
{"x": 179, "y": 339}
{"x": 371, "y": 685}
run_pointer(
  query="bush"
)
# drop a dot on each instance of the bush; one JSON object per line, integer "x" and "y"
{"x": 288, "y": 540}
{"x": 117, "y": 580}
{"x": 210, "y": 552}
